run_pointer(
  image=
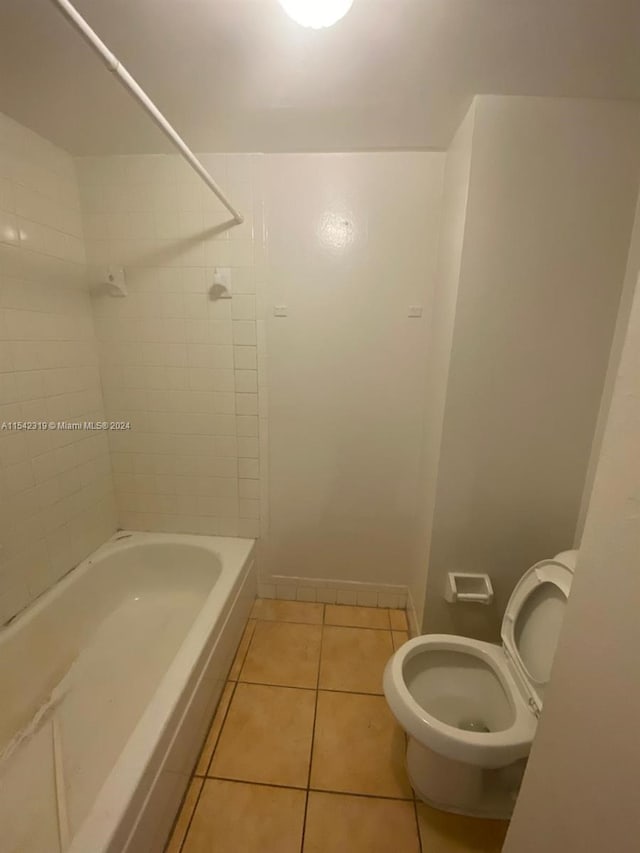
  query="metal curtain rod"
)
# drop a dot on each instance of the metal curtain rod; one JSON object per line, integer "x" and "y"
{"x": 115, "y": 66}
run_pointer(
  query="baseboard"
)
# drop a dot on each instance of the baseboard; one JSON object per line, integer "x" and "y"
{"x": 332, "y": 591}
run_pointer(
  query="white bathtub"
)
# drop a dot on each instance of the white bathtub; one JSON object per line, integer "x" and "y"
{"x": 107, "y": 684}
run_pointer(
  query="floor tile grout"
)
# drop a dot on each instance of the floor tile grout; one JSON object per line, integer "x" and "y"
{"x": 309, "y": 689}
{"x": 193, "y": 811}
{"x": 274, "y": 684}
{"x": 224, "y": 720}
{"x": 220, "y": 778}
{"x": 415, "y": 813}
{"x": 313, "y": 734}
{"x": 317, "y": 689}
{"x": 308, "y": 789}
{"x": 174, "y": 825}
{"x": 206, "y": 776}
{"x": 329, "y": 624}
{"x": 246, "y": 653}
{"x": 361, "y": 794}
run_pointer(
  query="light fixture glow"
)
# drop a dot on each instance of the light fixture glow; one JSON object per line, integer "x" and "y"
{"x": 316, "y": 13}
{"x": 336, "y": 231}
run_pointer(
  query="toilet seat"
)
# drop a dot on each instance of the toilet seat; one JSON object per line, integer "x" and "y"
{"x": 531, "y": 625}
{"x": 530, "y": 630}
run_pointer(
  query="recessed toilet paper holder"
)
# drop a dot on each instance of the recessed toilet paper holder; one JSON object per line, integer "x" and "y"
{"x": 468, "y": 586}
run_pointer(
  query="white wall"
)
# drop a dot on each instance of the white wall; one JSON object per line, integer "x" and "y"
{"x": 352, "y": 243}
{"x": 56, "y": 490}
{"x": 325, "y": 466}
{"x": 550, "y": 209}
{"x": 454, "y": 216}
{"x": 180, "y": 367}
{"x": 626, "y": 301}
{"x": 582, "y": 788}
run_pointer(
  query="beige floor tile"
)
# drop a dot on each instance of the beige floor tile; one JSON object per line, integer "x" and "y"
{"x": 214, "y": 731}
{"x": 266, "y": 736}
{"x": 398, "y": 619}
{"x": 243, "y": 647}
{"x": 283, "y": 653}
{"x": 354, "y": 659}
{"x": 442, "y": 832}
{"x": 288, "y": 611}
{"x": 356, "y": 617}
{"x": 182, "y": 824}
{"x": 358, "y": 747}
{"x": 339, "y": 822}
{"x": 399, "y": 637}
{"x": 233, "y": 817}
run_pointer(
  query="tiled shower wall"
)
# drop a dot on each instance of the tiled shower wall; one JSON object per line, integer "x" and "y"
{"x": 56, "y": 490}
{"x": 179, "y": 366}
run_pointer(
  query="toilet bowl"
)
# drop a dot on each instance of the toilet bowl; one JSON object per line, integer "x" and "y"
{"x": 470, "y": 708}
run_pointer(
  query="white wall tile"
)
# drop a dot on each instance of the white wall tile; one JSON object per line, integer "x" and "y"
{"x": 55, "y": 487}
{"x": 249, "y": 469}
{"x": 246, "y": 381}
{"x": 172, "y": 359}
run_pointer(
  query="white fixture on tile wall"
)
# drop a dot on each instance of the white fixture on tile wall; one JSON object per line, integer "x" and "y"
{"x": 221, "y": 287}
{"x": 116, "y": 67}
{"x": 115, "y": 281}
{"x": 468, "y": 587}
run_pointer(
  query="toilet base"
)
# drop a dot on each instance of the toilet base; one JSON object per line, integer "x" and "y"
{"x": 463, "y": 788}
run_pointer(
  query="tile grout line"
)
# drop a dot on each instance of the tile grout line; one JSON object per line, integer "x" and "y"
{"x": 219, "y": 778}
{"x": 415, "y": 800}
{"x": 280, "y": 786}
{"x": 362, "y": 795}
{"x": 313, "y": 732}
{"x": 193, "y": 811}
{"x": 308, "y": 789}
{"x": 222, "y": 724}
{"x": 206, "y": 776}
{"x": 309, "y": 689}
{"x": 327, "y": 624}
{"x": 246, "y": 653}
{"x": 234, "y": 682}
{"x": 177, "y": 818}
{"x": 415, "y": 814}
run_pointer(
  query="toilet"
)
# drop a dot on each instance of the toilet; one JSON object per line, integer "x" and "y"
{"x": 470, "y": 708}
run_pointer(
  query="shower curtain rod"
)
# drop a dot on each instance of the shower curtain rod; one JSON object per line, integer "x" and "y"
{"x": 116, "y": 67}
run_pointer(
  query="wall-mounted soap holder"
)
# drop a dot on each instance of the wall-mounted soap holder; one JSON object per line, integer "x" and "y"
{"x": 466, "y": 586}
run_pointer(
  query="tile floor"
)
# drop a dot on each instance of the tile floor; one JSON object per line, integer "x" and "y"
{"x": 303, "y": 755}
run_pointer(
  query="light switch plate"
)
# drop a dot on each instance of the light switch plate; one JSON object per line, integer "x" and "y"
{"x": 415, "y": 311}
{"x": 280, "y": 311}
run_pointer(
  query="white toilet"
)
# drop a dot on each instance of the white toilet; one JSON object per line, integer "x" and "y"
{"x": 470, "y": 708}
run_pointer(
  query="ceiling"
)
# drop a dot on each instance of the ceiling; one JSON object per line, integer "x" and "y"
{"x": 239, "y": 75}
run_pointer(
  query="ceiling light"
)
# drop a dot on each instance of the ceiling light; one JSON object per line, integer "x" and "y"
{"x": 316, "y": 13}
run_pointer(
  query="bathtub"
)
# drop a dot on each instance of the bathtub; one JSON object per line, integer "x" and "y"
{"x": 107, "y": 685}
